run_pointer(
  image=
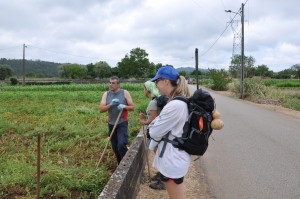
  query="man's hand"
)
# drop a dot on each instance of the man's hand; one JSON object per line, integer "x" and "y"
{"x": 121, "y": 107}
{"x": 114, "y": 102}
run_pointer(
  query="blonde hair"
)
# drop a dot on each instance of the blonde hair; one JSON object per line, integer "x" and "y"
{"x": 181, "y": 88}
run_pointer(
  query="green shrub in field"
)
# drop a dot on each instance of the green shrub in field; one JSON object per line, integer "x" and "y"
{"x": 220, "y": 79}
{"x": 13, "y": 81}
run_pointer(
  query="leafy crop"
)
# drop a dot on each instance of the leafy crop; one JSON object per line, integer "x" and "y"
{"x": 73, "y": 136}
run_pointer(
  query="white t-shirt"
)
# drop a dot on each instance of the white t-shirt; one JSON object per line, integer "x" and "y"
{"x": 175, "y": 162}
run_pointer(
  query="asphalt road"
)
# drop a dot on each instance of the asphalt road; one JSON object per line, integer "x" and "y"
{"x": 256, "y": 154}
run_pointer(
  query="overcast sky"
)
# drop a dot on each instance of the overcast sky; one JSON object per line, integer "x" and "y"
{"x": 88, "y": 31}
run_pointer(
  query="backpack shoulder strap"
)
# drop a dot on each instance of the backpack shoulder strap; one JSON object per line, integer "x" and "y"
{"x": 184, "y": 99}
{"x": 181, "y": 98}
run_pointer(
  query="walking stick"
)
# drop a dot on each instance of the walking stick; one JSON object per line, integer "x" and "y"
{"x": 111, "y": 134}
{"x": 146, "y": 150}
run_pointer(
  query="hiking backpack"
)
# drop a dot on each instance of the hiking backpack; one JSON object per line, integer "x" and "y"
{"x": 196, "y": 130}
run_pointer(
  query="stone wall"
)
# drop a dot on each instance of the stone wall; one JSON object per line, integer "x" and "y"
{"x": 125, "y": 181}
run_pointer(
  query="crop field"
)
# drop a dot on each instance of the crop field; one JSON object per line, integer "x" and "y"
{"x": 281, "y": 92}
{"x": 73, "y": 136}
{"x": 285, "y": 92}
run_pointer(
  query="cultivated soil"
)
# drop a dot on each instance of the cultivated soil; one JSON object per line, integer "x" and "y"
{"x": 195, "y": 183}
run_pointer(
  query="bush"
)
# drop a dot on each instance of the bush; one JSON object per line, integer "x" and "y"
{"x": 220, "y": 80}
{"x": 13, "y": 81}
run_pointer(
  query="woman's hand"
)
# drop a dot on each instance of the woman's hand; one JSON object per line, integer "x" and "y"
{"x": 142, "y": 118}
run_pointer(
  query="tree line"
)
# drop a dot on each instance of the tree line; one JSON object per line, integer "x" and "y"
{"x": 251, "y": 70}
{"x": 135, "y": 64}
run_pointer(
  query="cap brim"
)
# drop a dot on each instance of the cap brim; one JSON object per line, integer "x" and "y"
{"x": 154, "y": 78}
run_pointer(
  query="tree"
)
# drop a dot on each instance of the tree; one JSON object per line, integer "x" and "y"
{"x": 91, "y": 70}
{"x": 5, "y": 71}
{"x": 102, "y": 69}
{"x": 296, "y": 70}
{"x": 285, "y": 74}
{"x": 73, "y": 71}
{"x": 183, "y": 73}
{"x": 262, "y": 71}
{"x": 136, "y": 64}
{"x": 235, "y": 66}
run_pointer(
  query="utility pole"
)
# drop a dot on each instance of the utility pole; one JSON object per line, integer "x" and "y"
{"x": 242, "y": 54}
{"x": 23, "y": 64}
{"x": 242, "y": 51}
{"x": 196, "y": 62}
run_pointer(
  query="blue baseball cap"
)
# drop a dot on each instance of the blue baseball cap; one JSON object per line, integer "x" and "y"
{"x": 166, "y": 72}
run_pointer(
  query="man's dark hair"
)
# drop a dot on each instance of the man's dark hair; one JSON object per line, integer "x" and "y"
{"x": 115, "y": 78}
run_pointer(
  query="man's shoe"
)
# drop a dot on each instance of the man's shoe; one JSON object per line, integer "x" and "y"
{"x": 156, "y": 177}
{"x": 158, "y": 185}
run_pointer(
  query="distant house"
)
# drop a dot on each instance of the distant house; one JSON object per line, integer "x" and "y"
{"x": 192, "y": 81}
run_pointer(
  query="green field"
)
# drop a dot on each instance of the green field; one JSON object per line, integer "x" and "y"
{"x": 281, "y": 92}
{"x": 73, "y": 136}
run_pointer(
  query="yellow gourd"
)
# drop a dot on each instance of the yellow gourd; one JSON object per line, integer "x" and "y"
{"x": 217, "y": 124}
{"x": 216, "y": 114}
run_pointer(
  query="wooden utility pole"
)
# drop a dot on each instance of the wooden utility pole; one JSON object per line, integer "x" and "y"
{"x": 196, "y": 62}
{"x": 23, "y": 65}
{"x": 242, "y": 54}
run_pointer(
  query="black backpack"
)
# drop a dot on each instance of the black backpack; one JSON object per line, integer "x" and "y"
{"x": 196, "y": 130}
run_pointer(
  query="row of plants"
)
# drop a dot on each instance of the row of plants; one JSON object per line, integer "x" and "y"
{"x": 268, "y": 91}
{"x": 285, "y": 93}
{"x": 282, "y": 83}
{"x": 73, "y": 136}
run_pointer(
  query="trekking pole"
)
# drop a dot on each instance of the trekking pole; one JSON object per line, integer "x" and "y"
{"x": 111, "y": 134}
{"x": 146, "y": 150}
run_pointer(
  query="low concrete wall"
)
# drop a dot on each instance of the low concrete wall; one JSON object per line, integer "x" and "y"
{"x": 125, "y": 181}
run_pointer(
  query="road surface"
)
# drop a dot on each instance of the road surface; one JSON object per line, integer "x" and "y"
{"x": 256, "y": 154}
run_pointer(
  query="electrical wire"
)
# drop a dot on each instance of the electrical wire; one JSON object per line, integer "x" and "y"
{"x": 9, "y": 48}
{"x": 222, "y": 32}
{"x": 219, "y": 36}
{"x": 56, "y": 52}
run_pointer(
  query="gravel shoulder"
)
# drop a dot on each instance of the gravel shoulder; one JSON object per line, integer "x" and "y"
{"x": 194, "y": 182}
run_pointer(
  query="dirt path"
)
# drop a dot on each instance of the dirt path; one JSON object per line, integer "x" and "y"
{"x": 194, "y": 182}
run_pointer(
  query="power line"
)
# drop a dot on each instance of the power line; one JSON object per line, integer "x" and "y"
{"x": 10, "y": 48}
{"x": 221, "y": 33}
{"x": 218, "y": 37}
{"x": 56, "y": 52}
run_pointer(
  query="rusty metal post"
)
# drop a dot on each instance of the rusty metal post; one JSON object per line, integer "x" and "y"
{"x": 38, "y": 165}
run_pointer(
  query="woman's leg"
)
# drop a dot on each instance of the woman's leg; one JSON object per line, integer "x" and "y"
{"x": 175, "y": 191}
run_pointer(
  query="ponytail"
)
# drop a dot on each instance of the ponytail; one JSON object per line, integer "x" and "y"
{"x": 181, "y": 88}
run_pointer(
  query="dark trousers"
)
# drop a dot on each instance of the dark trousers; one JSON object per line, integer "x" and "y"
{"x": 119, "y": 140}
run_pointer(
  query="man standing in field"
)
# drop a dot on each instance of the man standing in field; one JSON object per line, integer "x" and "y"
{"x": 114, "y": 101}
